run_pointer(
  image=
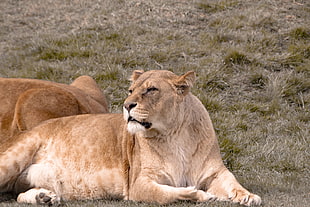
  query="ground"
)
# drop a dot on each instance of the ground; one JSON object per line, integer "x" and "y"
{"x": 252, "y": 60}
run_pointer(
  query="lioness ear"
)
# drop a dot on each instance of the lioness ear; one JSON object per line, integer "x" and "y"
{"x": 184, "y": 82}
{"x": 136, "y": 74}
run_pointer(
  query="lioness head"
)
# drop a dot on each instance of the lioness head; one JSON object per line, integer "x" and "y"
{"x": 154, "y": 100}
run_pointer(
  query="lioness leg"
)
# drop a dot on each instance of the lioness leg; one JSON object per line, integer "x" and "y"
{"x": 14, "y": 159}
{"x": 151, "y": 191}
{"x": 39, "y": 196}
{"x": 226, "y": 187}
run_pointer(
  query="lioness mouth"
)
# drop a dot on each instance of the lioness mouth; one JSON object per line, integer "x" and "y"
{"x": 147, "y": 125}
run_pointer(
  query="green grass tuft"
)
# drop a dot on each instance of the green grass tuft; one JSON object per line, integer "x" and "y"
{"x": 216, "y": 6}
{"x": 230, "y": 151}
{"x": 55, "y": 54}
{"x": 50, "y": 73}
{"x": 300, "y": 33}
{"x": 258, "y": 80}
{"x": 113, "y": 36}
{"x": 236, "y": 58}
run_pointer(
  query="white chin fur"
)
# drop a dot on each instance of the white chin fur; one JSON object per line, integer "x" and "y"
{"x": 134, "y": 127}
{"x": 125, "y": 113}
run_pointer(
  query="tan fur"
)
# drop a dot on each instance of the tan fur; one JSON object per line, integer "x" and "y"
{"x": 170, "y": 154}
{"x": 27, "y": 102}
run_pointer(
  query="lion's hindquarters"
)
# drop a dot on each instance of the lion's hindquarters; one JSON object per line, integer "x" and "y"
{"x": 40, "y": 104}
{"x": 15, "y": 158}
{"x": 27, "y": 102}
{"x": 80, "y": 158}
{"x": 89, "y": 86}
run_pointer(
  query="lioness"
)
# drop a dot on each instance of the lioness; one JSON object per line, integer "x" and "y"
{"x": 24, "y": 103}
{"x": 162, "y": 149}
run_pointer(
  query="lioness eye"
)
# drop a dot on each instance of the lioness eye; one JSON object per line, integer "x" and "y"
{"x": 151, "y": 89}
{"x": 130, "y": 91}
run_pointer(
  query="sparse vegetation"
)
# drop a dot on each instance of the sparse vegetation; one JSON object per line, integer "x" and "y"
{"x": 251, "y": 57}
{"x": 236, "y": 57}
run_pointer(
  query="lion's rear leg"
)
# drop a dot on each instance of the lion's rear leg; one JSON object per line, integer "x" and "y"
{"x": 15, "y": 157}
{"x": 38, "y": 196}
{"x": 226, "y": 187}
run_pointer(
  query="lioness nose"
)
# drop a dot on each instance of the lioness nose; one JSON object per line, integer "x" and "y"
{"x": 129, "y": 105}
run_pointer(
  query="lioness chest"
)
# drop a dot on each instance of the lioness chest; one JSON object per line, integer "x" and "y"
{"x": 168, "y": 163}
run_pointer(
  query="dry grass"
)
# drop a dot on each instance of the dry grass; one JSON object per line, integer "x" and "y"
{"x": 252, "y": 60}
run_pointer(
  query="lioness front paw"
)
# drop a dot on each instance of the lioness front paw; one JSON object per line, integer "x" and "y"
{"x": 205, "y": 196}
{"x": 187, "y": 193}
{"x": 48, "y": 198}
{"x": 191, "y": 193}
{"x": 245, "y": 198}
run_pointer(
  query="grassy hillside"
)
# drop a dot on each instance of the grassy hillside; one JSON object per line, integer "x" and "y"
{"x": 252, "y": 60}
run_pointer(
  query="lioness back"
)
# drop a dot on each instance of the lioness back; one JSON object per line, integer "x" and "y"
{"x": 27, "y": 102}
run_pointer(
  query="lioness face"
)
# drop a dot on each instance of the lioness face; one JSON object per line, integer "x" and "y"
{"x": 153, "y": 101}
